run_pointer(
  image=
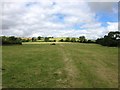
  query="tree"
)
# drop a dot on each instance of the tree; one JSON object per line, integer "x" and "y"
{"x": 33, "y": 39}
{"x": 46, "y": 39}
{"x": 114, "y": 35}
{"x": 90, "y": 41}
{"x": 73, "y": 40}
{"x": 82, "y": 39}
{"x": 11, "y": 40}
{"x": 39, "y": 37}
{"x": 25, "y": 40}
{"x": 67, "y": 39}
{"x": 112, "y": 39}
{"x": 54, "y": 40}
{"x": 61, "y": 40}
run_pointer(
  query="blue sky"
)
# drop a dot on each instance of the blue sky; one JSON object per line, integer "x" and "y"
{"x": 101, "y": 16}
{"x": 59, "y": 18}
{"x": 105, "y": 17}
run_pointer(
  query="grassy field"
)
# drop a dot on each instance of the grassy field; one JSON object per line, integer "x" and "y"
{"x": 61, "y": 65}
{"x": 57, "y": 39}
{"x": 47, "y": 43}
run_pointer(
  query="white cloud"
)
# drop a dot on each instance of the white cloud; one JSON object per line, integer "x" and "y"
{"x": 112, "y": 26}
{"x": 38, "y": 18}
{"x": 103, "y": 6}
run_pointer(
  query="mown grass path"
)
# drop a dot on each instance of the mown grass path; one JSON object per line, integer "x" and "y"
{"x": 70, "y": 68}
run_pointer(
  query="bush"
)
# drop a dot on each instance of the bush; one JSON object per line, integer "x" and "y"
{"x": 112, "y": 39}
{"x": 53, "y": 44}
{"x": 34, "y": 39}
{"x": 90, "y": 41}
{"x": 25, "y": 40}
{"x": 61, "y": 40}
{"x": 46, "y": 39}
{"x": 11, "y": 40}
{"x": 73, "y": 40}
{"x": 67, "y": 39}
{"x": 54, "y": 40}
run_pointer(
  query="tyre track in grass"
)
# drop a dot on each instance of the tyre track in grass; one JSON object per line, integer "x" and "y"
{"x": 70, "y": 68}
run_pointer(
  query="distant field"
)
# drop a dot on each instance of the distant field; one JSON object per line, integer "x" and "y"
{"x": 56, "y": 38}
{"x": 47, "y": 43}
{"x": 36, "y": 65}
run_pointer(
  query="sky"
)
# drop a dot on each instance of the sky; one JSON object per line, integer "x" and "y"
{"x": 58, "y": 18}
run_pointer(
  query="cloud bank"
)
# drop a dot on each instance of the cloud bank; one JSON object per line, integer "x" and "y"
{"x": 57, "y": 18}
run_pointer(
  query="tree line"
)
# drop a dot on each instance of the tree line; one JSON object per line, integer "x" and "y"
{"x": 17, "y": 40}
{"x": 81, "y": 39}
{"x": 112, "y": 39}
{"x": 45, "y": 39}
{"x": 10, "y": 40}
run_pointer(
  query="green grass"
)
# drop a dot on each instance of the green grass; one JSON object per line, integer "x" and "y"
{"x": 61, "y": 65}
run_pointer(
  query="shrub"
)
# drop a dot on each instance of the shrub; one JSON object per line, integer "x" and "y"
{"x": 112, "y": 39}
{"x": 11, "y": 40}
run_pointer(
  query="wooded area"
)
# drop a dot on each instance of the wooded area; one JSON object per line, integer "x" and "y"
{"x": 112, "y": 39}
